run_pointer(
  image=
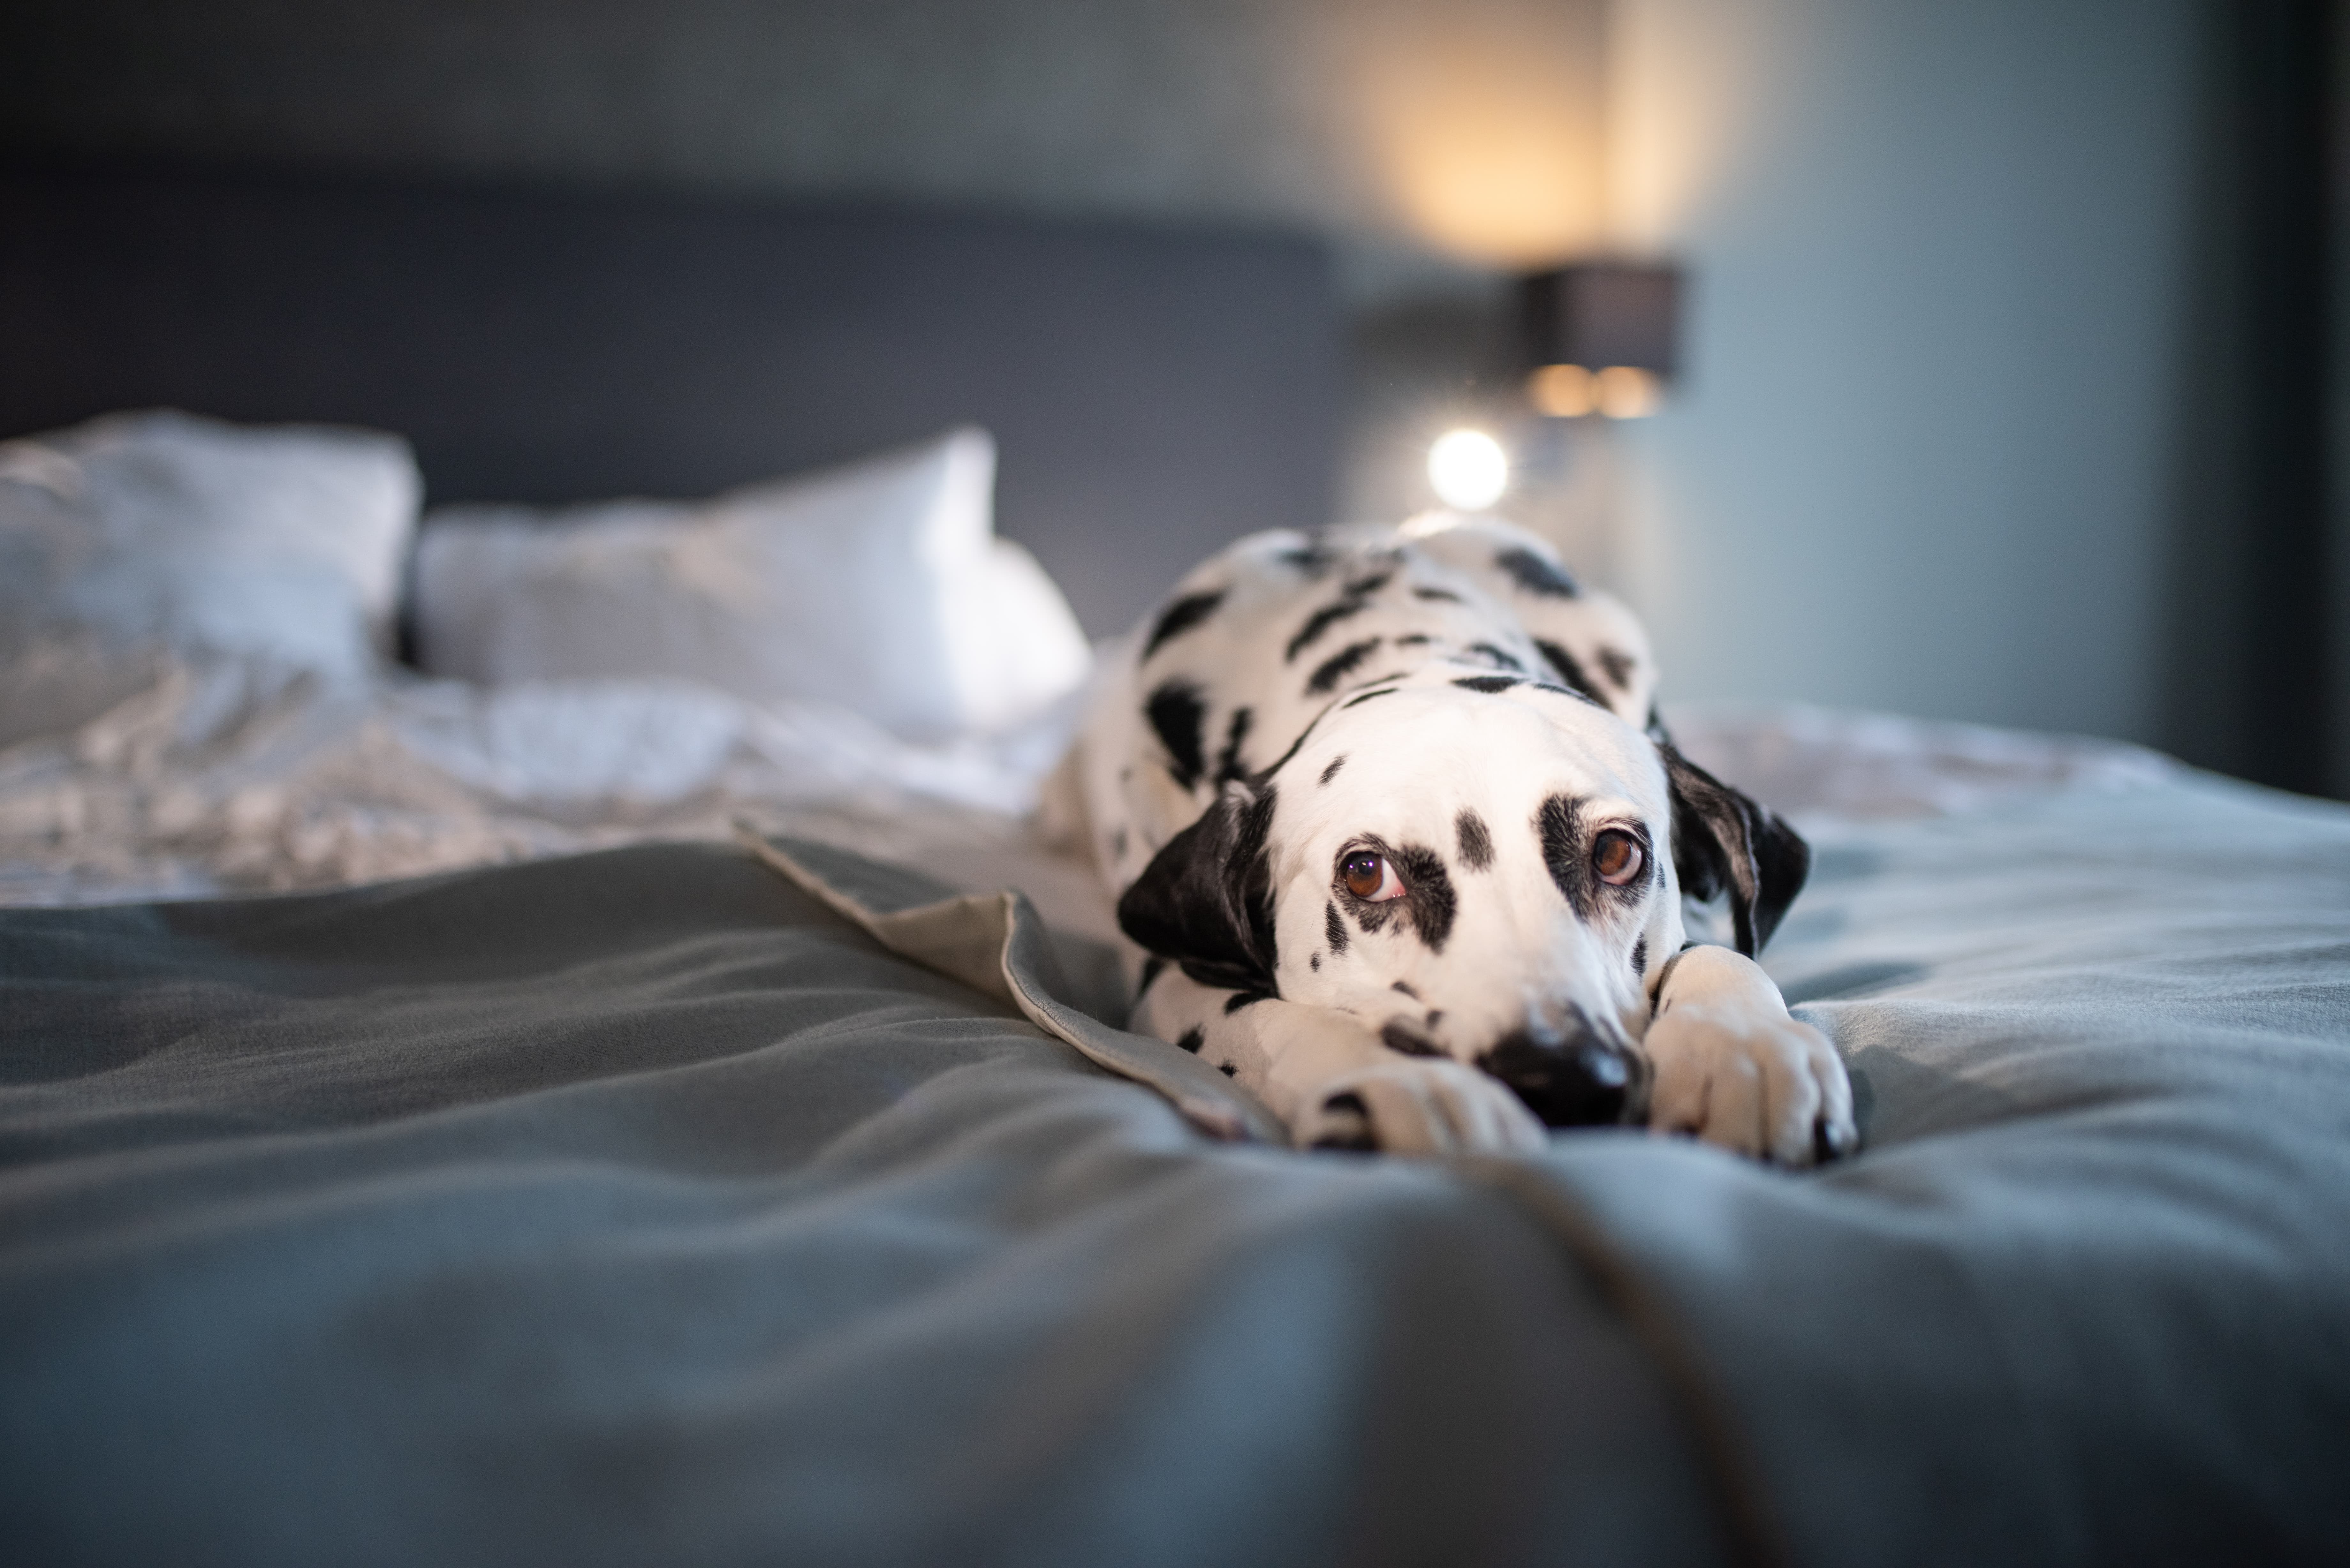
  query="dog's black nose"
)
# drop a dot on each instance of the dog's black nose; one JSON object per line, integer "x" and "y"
{"x": 1578, "y": 1080}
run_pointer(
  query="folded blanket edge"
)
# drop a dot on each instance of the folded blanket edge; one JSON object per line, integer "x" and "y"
{"x": 995, "y": 943}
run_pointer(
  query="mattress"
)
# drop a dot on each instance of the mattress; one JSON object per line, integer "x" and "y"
{"x": 637, "y": 1205}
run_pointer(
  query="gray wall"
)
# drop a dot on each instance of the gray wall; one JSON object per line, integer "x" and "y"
{"x": 1431, "y": 141}
{"x": 1414, "y": 131}
{"x": 1924, "y": 457}
{"x": 1926, "y": 454}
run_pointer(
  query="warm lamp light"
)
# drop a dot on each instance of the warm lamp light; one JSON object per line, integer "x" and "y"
{"x": 1563, "y": 391}
{"x": 1599, "y": 338}
{"x": 1574, "y": 391}
{"x": 1629, "y": 393}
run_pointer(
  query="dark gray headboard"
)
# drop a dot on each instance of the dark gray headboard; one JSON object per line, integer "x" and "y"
{"x": 1154, "y": 391}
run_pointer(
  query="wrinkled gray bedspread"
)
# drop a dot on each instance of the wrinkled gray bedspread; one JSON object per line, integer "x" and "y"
{"x": 636, "y": 1209}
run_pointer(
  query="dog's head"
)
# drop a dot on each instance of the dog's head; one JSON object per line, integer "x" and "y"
{"x": 1477, "y": 866}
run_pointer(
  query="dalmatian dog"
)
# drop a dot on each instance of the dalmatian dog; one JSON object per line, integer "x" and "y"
{"x": 1391, "y": 815}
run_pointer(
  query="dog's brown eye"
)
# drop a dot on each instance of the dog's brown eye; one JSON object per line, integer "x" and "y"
{"x": 1369, "y": 877}
{"x": 1616, "y": 857}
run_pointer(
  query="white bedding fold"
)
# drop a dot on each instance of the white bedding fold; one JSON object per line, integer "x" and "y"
{"x": 232, "y": 776}
{"x": 217, "y": 776}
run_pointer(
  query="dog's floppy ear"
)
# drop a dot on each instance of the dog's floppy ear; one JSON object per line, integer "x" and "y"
{"x": 1206, "y": 898}
{"x": 1723, "y": 840}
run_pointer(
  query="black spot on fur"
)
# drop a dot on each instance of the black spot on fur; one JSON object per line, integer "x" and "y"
{"x": 1476, "y": 844}
{"x": 1206, "y": 898}
{"x": 1227, "y": 1069}
{"x": 1406, "y": 1041}
{"x": 1569, "y": 671}
{"x": 1358, "y": 702}
{"x": 1336, "y": 668}
{"x": 1562, "y": 851}
{"x": 1618, "y": 665}
{"x": 1429, "y": 890}
{"x": 1353, "y": 599}
{"x": 1191, "y": 1040}
{"x": 1281, "y": 761}
{"x": 1488, "y": 684}
{"x": 1406, "y": 990}
{"x": 1181, "y": 616}
{"x": 1566, "y": 845}
{"x": 1427, "y": 905}
{"x": 1535, "y": 575}
{"x": 1332, "y": 771}
{"x": 1312, "y": 559}
{"x": 1314, "y": 960}
{"x": 1176, "y": 712}
{"x": 1152, "y": 967}
{"x": 1501, "y": 659}
{"x": 1437, "y": 596}
{"x": 1417, "y": 639}
{"x": 1228, "y": 765}
{"x": 1640, "y": 956}
{"x": 1320, "y": 621}
{"x": 1239, "y": 1000}
{"x": 1334, "y": 928}
{"x": 1117, "y": 843}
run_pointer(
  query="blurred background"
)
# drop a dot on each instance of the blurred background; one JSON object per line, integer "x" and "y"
{"x": 2006, "y": 384}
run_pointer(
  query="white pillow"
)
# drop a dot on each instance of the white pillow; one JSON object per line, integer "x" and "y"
{"x": 875, "y": 586}
{"x": 163, "y": 528}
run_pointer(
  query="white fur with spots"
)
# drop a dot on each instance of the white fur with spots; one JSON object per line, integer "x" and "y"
{"x": 1414, "y": 693}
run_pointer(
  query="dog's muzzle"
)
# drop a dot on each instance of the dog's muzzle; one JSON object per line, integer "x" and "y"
{"x": 1579, "y": 1078}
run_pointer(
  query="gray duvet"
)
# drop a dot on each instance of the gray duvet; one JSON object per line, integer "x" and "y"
{"x": 639, "y": 1207}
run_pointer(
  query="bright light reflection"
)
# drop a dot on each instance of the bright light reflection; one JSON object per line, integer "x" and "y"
{"x": 1467, "y": 469}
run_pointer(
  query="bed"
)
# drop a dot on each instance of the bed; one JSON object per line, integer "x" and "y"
{"x": 507, "y": 1121}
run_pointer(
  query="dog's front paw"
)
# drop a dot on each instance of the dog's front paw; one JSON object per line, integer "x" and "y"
{"x": 1761, "y": 1085}
{"x": 1420, "y": 1107}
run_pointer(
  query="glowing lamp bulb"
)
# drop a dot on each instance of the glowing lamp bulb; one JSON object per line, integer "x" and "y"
{"x": 1468, "y": 470}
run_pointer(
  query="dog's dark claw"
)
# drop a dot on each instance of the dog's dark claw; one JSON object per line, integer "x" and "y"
{"x": 1358, "y": 1140}
{"x": 1832, "y": 1142}
{"x": 1349, "y": 1143}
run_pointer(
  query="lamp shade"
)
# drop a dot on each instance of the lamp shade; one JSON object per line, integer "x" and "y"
{"x": 1599, "y": 314}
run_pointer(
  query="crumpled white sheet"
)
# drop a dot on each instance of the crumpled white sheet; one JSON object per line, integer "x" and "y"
{"x": 202, "y": 776}
{"x": 221, "y": 775}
